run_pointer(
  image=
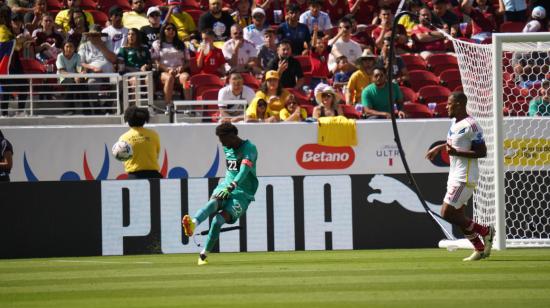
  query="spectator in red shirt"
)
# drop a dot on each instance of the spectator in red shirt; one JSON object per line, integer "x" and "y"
{"x": 426, "y": 40}
{"x": 482, "y": 19}
{"x": 210, "y": 59}
{"x": 362, "y": 10}
{"x": 318, "y": 56}
{"x": 360, "y": 34}
{"x": 384, "y": 29}
{"x": 336, "y": 9}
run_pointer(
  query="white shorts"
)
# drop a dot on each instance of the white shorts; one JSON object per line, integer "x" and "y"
{"x": 458, "y": 194}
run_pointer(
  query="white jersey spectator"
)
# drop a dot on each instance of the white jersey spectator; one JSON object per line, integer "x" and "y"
{"x": 245, "y": 54}
{"x": 116, "y": 37}
{"x": 254, "y": 32}
{"x": 344, "y": 47}
{"x": 315, "y": 16}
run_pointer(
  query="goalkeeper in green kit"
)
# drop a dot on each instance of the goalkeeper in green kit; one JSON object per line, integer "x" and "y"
{"x": 231, "y": 198}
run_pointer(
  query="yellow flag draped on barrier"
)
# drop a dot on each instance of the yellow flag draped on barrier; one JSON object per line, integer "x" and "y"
{"x": 337, "y": 131}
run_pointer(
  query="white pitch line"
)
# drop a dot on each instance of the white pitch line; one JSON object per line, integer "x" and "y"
{"x": 101, "y": 262}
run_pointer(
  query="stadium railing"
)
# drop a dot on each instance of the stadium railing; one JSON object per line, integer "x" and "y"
{"x": 197, "y": 111}
{"x": 44, "y": 94}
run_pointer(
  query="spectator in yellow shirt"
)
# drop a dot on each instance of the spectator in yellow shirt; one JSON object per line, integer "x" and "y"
{"x": 260, "y": 113}
{"x": 183, "y": 21}
{"x": 360, "y": 78}
{"x": 292, "y": 111}
{"x": 272, "y": 92}
{"x": 62, "y": 18}
{"x": 145, "y": 145}
{"x": 136, "y": 17}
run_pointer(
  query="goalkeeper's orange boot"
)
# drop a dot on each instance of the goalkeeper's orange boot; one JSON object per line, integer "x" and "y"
{"x": 188, "y": 225}
{"x": 488, "y": 242}
{"x": 475, "y": 256}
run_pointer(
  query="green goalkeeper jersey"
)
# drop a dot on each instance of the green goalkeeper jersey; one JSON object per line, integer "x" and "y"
{"x": 245, "y": 155}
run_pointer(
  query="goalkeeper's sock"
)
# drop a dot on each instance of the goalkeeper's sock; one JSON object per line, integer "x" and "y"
{"x": 476, "y": 241}
{"x": 477, "y": 228}
{"x": 210, "y": 208}
{"x": 214, "y": 232}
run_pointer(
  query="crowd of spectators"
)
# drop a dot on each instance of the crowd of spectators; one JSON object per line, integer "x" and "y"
{"x": 311, "y": 58}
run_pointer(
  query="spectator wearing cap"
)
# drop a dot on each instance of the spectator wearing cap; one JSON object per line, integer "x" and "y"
{"x": 328, "y": 102}
{"x": 314, "y": 16}
{"x": 135, "y": 18}
{"x": 183, "y": 21}
{"x": 273, "y": 10}
{"x": 235, "y": 90}
{"x": 242, "y": 15}
{"x": 293, "y": 31}
{"x": 151, "y": 31}
{"x": 239, "y": 53}
{"x": 375, "y": 97}
{"x": 116, "y": 33}
{"x": 513, "y": 10}
{"x": 272, "y": 92}
{"x": 210, "y": 59}
{"x": 62, "y": 18}
{"x": 216, "y": 19}
{"x": 537, "y": 21}
{"x": 427, "y": 41}
{"x": 336, "y": 9}
{"x": 343, "y": 45}
{"x": 254, "y": 32}
{"x": 360, "y": 78}
{"x": 288, "y": 68}
{"x": 96, "y": 57}
{"x": 6, "y": 160}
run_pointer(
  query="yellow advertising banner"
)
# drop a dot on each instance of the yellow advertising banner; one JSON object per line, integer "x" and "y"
{"x": 527, "y": 152}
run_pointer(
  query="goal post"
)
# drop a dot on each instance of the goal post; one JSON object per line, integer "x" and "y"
{"x": 500, "y": 79}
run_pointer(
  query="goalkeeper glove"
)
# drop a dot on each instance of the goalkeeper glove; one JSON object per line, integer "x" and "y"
{"x": 226, "y": 192}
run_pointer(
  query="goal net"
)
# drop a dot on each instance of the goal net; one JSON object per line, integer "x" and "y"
{"x": 500, "y": 80}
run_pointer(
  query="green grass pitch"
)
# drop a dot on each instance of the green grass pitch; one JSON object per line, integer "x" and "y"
{"x": 367, "y": 278}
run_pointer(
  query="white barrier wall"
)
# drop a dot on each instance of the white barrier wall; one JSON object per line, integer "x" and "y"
{"x": 70, "y": 153}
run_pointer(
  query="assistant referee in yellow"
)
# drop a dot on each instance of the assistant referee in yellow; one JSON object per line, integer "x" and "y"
{"x": 145, "y": 144}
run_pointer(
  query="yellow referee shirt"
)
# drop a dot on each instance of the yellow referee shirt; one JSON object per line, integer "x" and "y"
{"x": 146, "y": 147}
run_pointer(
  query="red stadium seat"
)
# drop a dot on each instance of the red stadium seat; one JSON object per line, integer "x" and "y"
{"x": 150, "y": 3}
{"x": 251, "y": 80}
{"x": 190, "y": 5}
{"x": 413, "y": 110}
{"x": 450, "y": 78}
{"x": 32, "y": 66}
{"x": 107, "y": 4}
{"x": 193, "y": 66}
{"x": 302, "y": 98}
{"x": 520, "y": 107}
{"x": 350, "y": 112}
{"x": 100, "y": 18}
{"x": 429, "y": 94}
{"x": 305, "y": 63}
{"x": 308, "y": 108}
{"x": 54, "y": 5}
{"x": 458, "y": 89}
{"x": 408, "y": 94}
{"x": 512, "y": 26}
{"x": 209, "y": 95}
{"x": 418, "y": 79}
{"x": 413, "y": 62}
{"x": 89, "y": 4}
{"x": 202, "y": 82}
{"x": 440, "y": 111}
{"x": 437, "y": 63}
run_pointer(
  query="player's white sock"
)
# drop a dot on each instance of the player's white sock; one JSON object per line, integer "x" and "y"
{"x": 203, "y": 252}
{"x": 195, "y": 221}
